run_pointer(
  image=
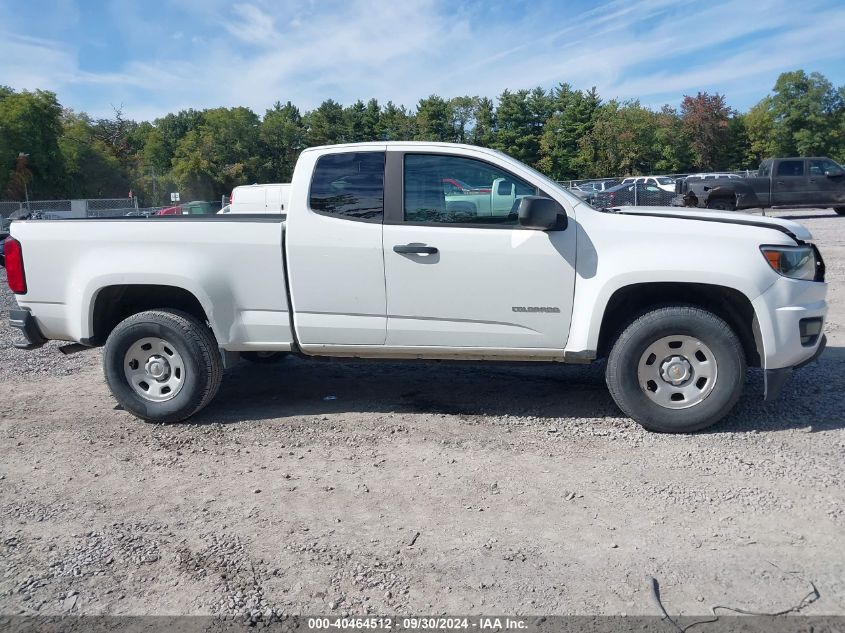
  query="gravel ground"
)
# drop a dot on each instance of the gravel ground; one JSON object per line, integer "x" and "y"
{"x": 354, "y": 487}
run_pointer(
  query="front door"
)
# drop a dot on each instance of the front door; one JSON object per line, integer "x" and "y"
{"x": 826, "y": 182}
{"x": 459, "y": 272}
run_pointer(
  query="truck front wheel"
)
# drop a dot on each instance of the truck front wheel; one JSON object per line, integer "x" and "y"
{"x": 840, "y": 210}
{"x": 677, "y": 369}
{"x": 162, "y": 365}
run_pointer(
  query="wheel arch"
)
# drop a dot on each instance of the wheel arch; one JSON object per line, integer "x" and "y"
{"x": 629, "y": 302}
{"x": 113, "y": 303}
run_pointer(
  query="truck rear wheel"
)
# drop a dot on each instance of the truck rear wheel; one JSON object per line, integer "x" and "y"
{"x": 721, "y": 204}
{"x": 676, "y": 369}
{"x": 162, "y": 365}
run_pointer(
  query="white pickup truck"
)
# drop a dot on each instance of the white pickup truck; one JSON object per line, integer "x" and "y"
{"x": 370, "y": 260}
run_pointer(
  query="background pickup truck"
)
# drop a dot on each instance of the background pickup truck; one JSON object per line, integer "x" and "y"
{"x": 370, "y": 261}
{"x": 816, "y": 182}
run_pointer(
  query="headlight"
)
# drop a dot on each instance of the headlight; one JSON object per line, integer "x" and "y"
{"x": 795, "y": 262}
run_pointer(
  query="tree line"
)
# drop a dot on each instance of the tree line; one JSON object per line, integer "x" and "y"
{"x": 51, "y": 152}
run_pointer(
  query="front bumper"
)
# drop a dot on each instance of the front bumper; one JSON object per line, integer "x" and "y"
{"x": 24, "y": 321}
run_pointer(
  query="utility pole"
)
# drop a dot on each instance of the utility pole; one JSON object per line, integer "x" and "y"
{"x": 23, "y": 158}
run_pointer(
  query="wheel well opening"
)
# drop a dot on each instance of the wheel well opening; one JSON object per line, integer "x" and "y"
{"x": 116, "y": 303}
{"x": 630, "y": 302}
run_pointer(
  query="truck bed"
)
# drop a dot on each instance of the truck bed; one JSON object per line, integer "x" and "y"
{"x": 232, "y": 264}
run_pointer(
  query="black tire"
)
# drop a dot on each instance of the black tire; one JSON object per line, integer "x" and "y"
{"x": 263, "y": 357}
{"x": 839, "y": 210}
{"x": 197, "y": 348}
{"x": 721, "y": 204}
{"x": 683, "y": 321}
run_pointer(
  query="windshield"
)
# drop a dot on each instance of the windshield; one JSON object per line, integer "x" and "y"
{"x": 665, "y": 180}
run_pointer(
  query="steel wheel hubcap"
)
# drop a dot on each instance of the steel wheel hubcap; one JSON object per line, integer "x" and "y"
{"x": 677, "y": 372}
{"x": 154, "y": 369}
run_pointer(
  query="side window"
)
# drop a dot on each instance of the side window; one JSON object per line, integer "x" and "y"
{"x": 790, "y": 168}
{"x": 349, "y": 185}
{"x": 492, "y": 195}
{"x": 820, "y": 167}
{"x": 765, "y": 169}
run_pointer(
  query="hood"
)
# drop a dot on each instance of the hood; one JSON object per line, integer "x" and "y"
{"x": 798, "y": 231}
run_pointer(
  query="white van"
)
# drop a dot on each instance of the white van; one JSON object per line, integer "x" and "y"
{"x": 270, "y": 198}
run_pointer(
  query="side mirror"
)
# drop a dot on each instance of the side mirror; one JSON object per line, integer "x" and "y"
{"x": 542, "y": 214}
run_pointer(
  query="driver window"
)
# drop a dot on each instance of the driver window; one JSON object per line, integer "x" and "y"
{"x": 486, "y": 195}
{"x": 819, "y": 167}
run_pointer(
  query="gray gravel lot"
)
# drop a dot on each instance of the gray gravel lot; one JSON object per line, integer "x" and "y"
{"x": 418, "y": 488}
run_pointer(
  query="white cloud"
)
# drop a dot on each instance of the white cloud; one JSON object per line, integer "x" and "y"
{"x": 254, "y": 53}
{"x": 252, "y": 25}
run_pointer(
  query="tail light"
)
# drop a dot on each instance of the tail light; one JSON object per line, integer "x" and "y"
{"x": 14, "y": 266}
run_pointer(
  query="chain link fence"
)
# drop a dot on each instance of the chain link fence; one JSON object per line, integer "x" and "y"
{"x": 58, "y": 209}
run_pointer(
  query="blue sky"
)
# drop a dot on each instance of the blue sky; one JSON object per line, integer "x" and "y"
{"x": 158, "y": 56}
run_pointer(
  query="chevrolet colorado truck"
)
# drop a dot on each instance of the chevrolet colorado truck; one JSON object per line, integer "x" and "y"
{"x": 815, "y": 182}
{"x": 370, "y": 261}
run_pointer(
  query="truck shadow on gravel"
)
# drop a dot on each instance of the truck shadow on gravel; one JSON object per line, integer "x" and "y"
{"x": 812, "y": 400}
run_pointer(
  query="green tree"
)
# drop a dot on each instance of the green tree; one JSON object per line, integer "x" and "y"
{"x": 93, "y": 171}
{"x": 324, "y": 126}
{"x": 354, "y": 123}
{"x": 808, "y": 115}
{"x": 572, "y": 118}
{"x": 434, "y": 120}
{"x": 30, "y": 123}
{"x": 622, "y": 141}
{"x": 760, "y": 129}
{"x": 484, "y": 131}
{"x": 396, "y": 124}
{"x": 219, "y": 154}
{"x": 282, "y": 139}
{"x": 672, "y": 147}
{"x": 520, "y": 117}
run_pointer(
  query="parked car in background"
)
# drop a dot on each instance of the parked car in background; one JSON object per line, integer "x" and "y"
{"x": 710, "y": 176}
{"x": 2, "y": 256}
{"x": 455, "y": 186}
{"x": 264, "y": 198}
{"x": 663, "y": 182}
{"x": 598, "y": 185}
{"x": 793, "y": 182}
{"x": 195, "y": 207}
{"x": 625, "y": 195}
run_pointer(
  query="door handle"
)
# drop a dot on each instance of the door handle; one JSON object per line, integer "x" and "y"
{"x": 416, "y": 249}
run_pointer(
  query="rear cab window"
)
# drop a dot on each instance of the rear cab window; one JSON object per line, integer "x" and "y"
{"x": 349, "y": 185}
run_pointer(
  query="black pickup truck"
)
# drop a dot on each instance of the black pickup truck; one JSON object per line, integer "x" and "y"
{"x": 814, "y": 182}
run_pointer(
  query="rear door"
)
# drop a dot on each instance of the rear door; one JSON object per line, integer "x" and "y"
{"x": 459, "y": 276}
{"x": 334, "y": 251}
{"x": 789, "y": 182}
